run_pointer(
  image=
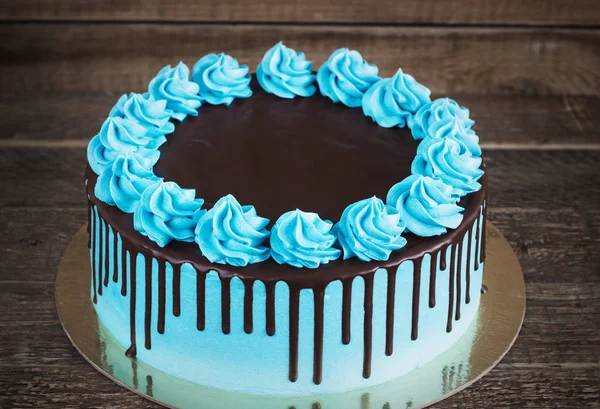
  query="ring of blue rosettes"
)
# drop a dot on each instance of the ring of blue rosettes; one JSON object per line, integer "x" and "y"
{"x": 446, "y": 167}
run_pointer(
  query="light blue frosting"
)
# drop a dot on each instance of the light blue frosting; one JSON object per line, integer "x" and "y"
{"x": 99, "y": 156}
{"x": 174, "y": 85}
{"x": 166, "y": 212}
{"x": 450, "y": 160}
{"x": 453, "y": 128}
{"x": 149, "y": 113}
{"x": 427, "y": 205}
{"x": 302, "y": 239}
{"x": 123, "y": 183}
{"x": 233, "y": 234}
{"x": 346, "y": 76}
{"x": 370, "y": 230}
{"x": 286, "y": 73}
{"x": 391, "y": 101}
{"x": 440, "y": 109}
{"x": 221, "y": 79}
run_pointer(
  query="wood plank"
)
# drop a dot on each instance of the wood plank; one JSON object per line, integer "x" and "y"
{"x": 500, "y": 119}
{"x": 122, "y": 57}
{"x": 564, "y": 12}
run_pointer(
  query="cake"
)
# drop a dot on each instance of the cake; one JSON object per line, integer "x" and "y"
{"x": 286, "y": 232}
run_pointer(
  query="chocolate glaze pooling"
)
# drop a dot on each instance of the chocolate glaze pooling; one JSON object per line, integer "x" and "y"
{"x": 279, "y": 155}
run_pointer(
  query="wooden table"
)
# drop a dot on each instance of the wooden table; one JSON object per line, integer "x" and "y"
{"x": 530, "y": 75}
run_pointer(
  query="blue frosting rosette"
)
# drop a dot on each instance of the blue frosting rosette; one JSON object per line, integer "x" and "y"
{"x": 427, "y": 205}
{"x": 439, "y": 110}
{"x": 346, "y": 76}
{"x": 230, "y": 233}
{"x": 370, "y": 230}
{"x": 286, "y": 73}
{"x": 174, "y": 85}
{"x": 149, "y": 113}
{"x": 302, "y": 239}
{"x": 221, "y": 79}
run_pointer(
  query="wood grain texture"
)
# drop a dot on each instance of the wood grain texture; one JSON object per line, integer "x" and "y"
{"x": 564, "y": 12}
{"x": 500, "y": 119}
{"x": 116, "y": 57}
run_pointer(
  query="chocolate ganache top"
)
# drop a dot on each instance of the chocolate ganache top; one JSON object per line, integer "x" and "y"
{"x": 278, "y": 154}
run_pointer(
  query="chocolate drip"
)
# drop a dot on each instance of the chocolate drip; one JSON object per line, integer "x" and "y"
{"x": 200, "y": 300}
{"x": 115, "y": 256}
{"x": 346, "y": 308}
{"x": 94, "y": 267}
{"x": 443, "y": 265}
{"x": 132, "y": 351}
{"x": 389, "y": 313}
{"x": 248, "y": 304}
{"x": 270, "y": 307}
{"x": 484, "y": 289}
{"x": 451, "y": 289}
{"x": 483, "y": 232}
{"x": 226, "y": 305}
{"x": 468, "y": 270}
{"x": 414, "y": 334}
{"x": 432, "y": 276}
{"x": 294, "y": 318}
{"x": 123, "y": 269}
{"x": 106, "y": 254}
{"x": 368, "y": 325}
{"x": 319, "y": 297}
{"x": 100, "y": 255}
{"x": 477, "y": 235}
{"x": 162, "y": 296}
{"x": 148, "y": 303}
{"x": 89, "y": 225}
{"x": 458, "y": 280}
{"x": 176, "y": 290}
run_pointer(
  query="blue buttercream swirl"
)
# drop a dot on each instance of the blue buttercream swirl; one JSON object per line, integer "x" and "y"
{"x": 286, "y": 73}
{"x": 120, "y": 135}
{"x": 174, "y": 85}
{"x": 221, "y": 79}
{"x": 346, "y": 76}
{"x": 453, "y": 128}
{"x": 233, "y": 234}
{"x": 302, "y": 239}
{"x": 427, "y": 205}
{"x": 391, "y": 101}
{"x": 166, "y": 212}
{"x": 438, "y": 110}
{"x": 123, "y": 183}
{"x": 450, "y": 160}
{"x": 370, "y": 230}
{"x": 151, "y": 114}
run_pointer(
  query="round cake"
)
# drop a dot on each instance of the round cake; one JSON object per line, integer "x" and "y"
{"x": 285, "y": 232}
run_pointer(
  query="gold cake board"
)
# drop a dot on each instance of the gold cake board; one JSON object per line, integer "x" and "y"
{"x": 489, "y": 338}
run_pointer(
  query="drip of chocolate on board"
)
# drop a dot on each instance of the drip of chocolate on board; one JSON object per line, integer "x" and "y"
{"x": 294, "y": 318}
{"x": 162, "y": 296}
{"x": 200, "y": 300}
{"x": 148, "y": 302}
{"x": 132, "y": 351}
{"x": 100, "y": 255}
{"x": 468, "y": 270}
{"x": 115, "y": 276}
{"x": 176, "y": 289}
{"x": 248, "y": 304}
{"x": 414, "y": 333}
{"x": 226, "y": 304}
{"x": 459, "y": 279}
{"x": 106, "y": 254}
{"x": 389, "y": 314}
{"x": 368, "y": 325}
{"x": 346, "y": 308}
{"x": 451, "y": 289}
{"x": 319, "y": 299}
{"x": 149, "y": 386}
{"x": 484, "y": 289}
{"x": 432, "y": 276}
{"x": 134, "y": 370}
{"x": 270, "y": 307}
{"x": 94, "y": 272}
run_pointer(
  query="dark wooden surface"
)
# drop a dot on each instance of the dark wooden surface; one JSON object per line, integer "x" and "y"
{"x": 528, "y": 70}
